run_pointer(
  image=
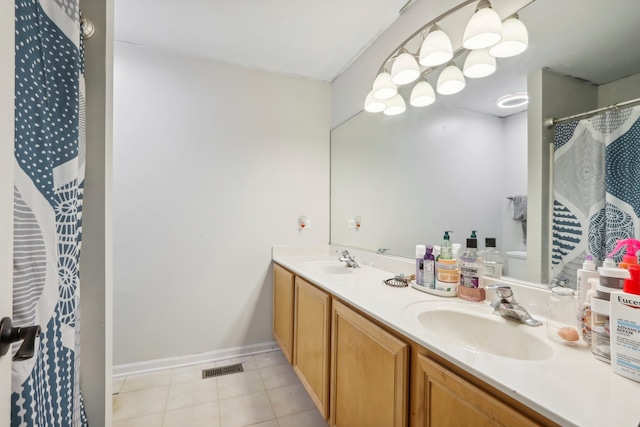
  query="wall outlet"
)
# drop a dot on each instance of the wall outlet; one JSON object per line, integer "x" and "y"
{"x": 351, "y": 223}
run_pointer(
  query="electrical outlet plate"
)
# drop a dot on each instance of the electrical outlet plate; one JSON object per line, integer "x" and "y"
{"x": 351, "y": 223}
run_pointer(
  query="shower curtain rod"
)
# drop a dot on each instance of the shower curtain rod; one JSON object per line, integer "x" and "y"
{"x": 550, "y": 122}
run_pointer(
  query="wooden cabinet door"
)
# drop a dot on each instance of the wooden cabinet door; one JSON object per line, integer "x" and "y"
{"x": 311, "y": 342}
{"x": 368, "y": 373}
{"x": 283, "y": 292}
{"x": 451, "y": 401}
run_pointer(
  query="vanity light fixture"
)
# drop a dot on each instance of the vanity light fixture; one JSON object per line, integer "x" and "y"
{"x": 451, "y": 80}
{"x": 479, "y": 64}
{"x": 515, "y": 38}
{"x": 484, "y": 29}
{"x": 373, "y": 105}
{"x": 383, "y": 87}
{"x": 486, "y": 38}
{"x": 395, "y": 105}
{"x": 405, "y": 69}
{"x": 513, "y": 100}
{"x": 422, "y": 94}
{"x": 436, "y": 49}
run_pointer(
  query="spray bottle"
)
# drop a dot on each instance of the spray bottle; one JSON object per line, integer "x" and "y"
{"x": 630, "y": 258}
{"x": 446, "y": 248}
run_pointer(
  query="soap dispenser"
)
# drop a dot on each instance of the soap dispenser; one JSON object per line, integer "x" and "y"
{"x": 446, "y": 251}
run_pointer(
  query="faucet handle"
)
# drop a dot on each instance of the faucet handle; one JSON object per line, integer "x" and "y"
{"x": 503, "y": 291}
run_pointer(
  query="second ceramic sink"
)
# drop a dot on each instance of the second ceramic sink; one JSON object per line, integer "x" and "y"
{"x": 475, "y": 328}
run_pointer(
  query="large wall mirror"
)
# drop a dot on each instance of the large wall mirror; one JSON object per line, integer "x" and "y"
{"x": 457, "y": 164}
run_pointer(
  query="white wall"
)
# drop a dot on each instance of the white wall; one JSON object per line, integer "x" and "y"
{"x": 213, "y": 165}
{"x": 618, "y": 91}
{"x": 514, "y": 178}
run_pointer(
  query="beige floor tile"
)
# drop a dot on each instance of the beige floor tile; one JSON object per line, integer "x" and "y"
{"x": 310, "y": 418}
{"x": 192, "y": 393}
{"x": 278, "y": 376}
{"x": 289, "y": 399}
{"x": 239, "y": 384}
{"x": 190, "y": 373}
{"x": 270, "y": 423}
{"x": 145, "y": 381}
{"x": 270, "y": 359}
{"x": 245, "y": 410}
{"x": 248, "y": 362}
{"x": 138, "y": 403}
{"x": 205, "y": 415}
{"x": 117, "y": 384}
{"x": 153, "y": 420}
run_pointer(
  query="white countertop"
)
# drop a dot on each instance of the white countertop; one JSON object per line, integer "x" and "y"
{"x": 571, "y": 387}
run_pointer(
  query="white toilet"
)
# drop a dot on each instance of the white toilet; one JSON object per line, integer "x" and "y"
{"x": 517, "y": 264}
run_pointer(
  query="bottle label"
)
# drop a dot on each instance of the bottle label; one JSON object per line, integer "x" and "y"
{"x": 429, "y": 273}
{"x": 470, "y": 276}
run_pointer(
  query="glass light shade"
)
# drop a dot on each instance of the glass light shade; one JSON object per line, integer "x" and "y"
{"x": 484, "y": 29}
{"x": 422, "y": 95}
{"x": 395, "y": 105}
{"x": 515, "y": 39}
{"x": 383, "y": 87}
{"x": 405, "y": 69}
{"x": 450, "y": 80}
{"x": 436, "y": 49}
{"x": 479, "y": 64}
{"x": 373, "y": 105}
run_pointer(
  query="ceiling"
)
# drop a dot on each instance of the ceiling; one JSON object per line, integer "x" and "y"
{"x": 589, "y": 39}
{"x": 313, "y": 39}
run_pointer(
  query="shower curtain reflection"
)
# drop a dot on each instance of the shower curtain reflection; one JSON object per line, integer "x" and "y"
{"x": 596, "y": 188}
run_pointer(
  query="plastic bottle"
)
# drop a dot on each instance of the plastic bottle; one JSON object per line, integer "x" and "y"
{"x": 492, "y": 259}
{"x": 471, "y": 272}
{"x": 625, "y": 334}
{"x": 420, "y": 251}
{"x": 445, "y": 248}
{"x": 630, "y": 257}
{"x": 429, "y": 278}
{"x": 588, "y": 271}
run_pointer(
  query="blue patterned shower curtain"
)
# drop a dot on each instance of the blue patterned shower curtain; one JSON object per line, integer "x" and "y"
{"x": 49, "y": 179}
{"x": 596, "y": 188}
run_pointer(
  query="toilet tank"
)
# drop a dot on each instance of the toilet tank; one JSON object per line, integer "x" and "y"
{"x": 516, "y": 264}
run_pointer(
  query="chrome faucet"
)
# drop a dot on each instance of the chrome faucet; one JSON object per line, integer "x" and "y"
{"x": 508, "y": 307}
{"x": 346, "y": 257}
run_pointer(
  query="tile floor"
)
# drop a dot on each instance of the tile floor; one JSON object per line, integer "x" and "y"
{"x": 267, "y": 394}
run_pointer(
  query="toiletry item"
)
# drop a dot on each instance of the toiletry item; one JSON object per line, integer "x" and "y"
{"x": 471, "y": 273}
{"x": 562, "y": 316}
{"x": 585, "y": 319}
{"x": 429, "y": 268}
{"x": 625, "y": 332}
{"x": 445, "y": 248}
{"x": 600, "y": 332}
{"x": 611, "y": 276}
{"x": 456, "y": 250}
{"x": 629, "y": 258}
{"x": 588, "y": 271}
{"x": 420, "y": 250}
{"x": 447, "y": 278}
{"x": 492, "y": 259}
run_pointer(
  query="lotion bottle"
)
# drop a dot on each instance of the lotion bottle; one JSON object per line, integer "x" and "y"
{"x": 420, "y": 252}
{"x": 588, "y": 271}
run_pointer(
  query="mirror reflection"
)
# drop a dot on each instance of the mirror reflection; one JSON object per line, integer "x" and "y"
{"x": 455, "y": 164}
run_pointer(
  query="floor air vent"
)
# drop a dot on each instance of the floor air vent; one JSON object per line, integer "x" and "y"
{"x": 223, "y": 370}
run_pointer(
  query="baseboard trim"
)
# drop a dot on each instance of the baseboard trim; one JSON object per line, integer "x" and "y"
{"x": 191, "y": 359}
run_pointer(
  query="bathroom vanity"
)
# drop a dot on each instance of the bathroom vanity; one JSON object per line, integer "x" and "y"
{"x": 361, "y": 351}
